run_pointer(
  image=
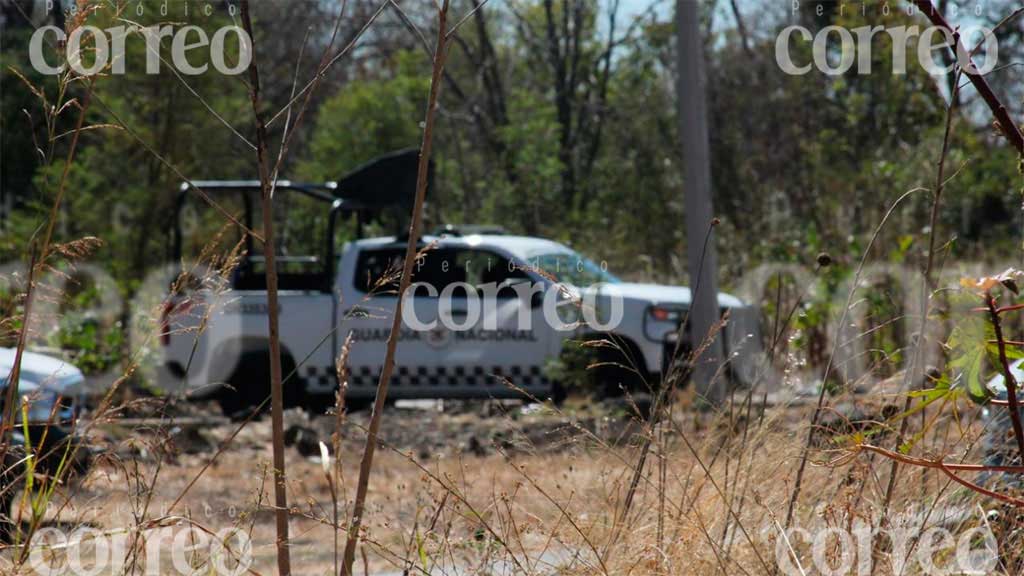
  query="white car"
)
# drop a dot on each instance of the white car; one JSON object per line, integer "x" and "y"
{"x": 324, "y": 298}
{"x": 45, "y": 380}
{"x": 53, "y": 389}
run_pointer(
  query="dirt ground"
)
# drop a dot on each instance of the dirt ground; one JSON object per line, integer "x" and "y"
{"x": 149, "y": 464}
{"x": 486, "y": 488}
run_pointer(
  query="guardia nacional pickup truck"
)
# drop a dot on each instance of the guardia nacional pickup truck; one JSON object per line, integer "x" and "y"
{"x": 488, "y": 310}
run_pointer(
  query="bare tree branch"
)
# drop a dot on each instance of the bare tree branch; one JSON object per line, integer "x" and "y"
{"x": 1003, "y": 120}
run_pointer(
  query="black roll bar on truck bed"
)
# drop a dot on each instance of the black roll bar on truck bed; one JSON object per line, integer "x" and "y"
{"x": 386, "y": 182}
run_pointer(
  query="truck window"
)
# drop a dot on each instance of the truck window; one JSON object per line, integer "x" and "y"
{"x": 378, "y": 271}
{"x": 483, "y": 267}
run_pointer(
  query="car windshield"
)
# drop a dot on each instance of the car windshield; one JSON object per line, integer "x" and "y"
{"x": 572, "y": 268}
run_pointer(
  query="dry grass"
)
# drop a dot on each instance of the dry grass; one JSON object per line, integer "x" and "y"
{"x": 538, "y": 507}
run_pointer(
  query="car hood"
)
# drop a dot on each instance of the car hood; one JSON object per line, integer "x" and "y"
{"x": 661, "y": 294}
{"x": 54, "y": 373}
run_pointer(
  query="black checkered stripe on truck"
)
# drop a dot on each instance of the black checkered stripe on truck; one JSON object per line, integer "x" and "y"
{"x": 320, "y": 378}
{"x": 528, "y": 377}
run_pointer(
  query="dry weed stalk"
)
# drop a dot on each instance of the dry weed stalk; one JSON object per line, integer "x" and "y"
{"x": 1013, "y": 135}
{"x": 41, "y": 249}
{"x": 341, "y": 369}
{"x": 820, "y": 406}
{"x": 915, "y": 373}
{"x": 274, "y": 339}
{"x": 366, "y": 466}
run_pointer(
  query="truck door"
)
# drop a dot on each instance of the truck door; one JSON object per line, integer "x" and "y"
{"x": 504, "y": 342}
{"x": 420, "y": 368}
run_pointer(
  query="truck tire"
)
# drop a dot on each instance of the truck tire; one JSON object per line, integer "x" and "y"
{"x": 558, "y": 393}
{"x": 249, "y": 385}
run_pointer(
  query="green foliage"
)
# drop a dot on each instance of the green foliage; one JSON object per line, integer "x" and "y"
{"x": 96, "y": 349}
{"x": 368, "y": 118}
{"x": 570, "y": 368}
{"x": 975, "y": 355}
{"x": 970, "y": 356}
{"x": 117, "y": 189}
{"x": 531, "y": 138}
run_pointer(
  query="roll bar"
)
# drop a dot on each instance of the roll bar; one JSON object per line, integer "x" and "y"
{"x": 316, "y": 191}
{"x": 387, "y": 181}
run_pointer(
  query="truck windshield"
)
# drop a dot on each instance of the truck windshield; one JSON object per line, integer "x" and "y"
{"x": 572, "y": 268}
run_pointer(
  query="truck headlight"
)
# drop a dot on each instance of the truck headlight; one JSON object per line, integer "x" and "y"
{"x": 661, "y": 322}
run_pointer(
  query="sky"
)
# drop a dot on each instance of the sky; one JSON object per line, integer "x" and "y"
{"x": 665, "y": 8}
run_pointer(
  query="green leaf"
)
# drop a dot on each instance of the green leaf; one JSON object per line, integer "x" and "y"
{"x": 1012, "y": 352}
{"x": 930, "y": 396}
{"x": 422, "y": 551}
{"x": 969, "y": 342}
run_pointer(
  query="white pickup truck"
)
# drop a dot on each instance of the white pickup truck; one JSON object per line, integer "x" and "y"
{"x": 488, "y": 348}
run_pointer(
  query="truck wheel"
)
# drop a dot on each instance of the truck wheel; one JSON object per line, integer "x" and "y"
{"x": 249, "y": 385}
{"x": 558, "y": 393}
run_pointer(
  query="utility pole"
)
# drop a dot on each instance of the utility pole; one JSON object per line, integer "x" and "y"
{"x": 702, "y": 262}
